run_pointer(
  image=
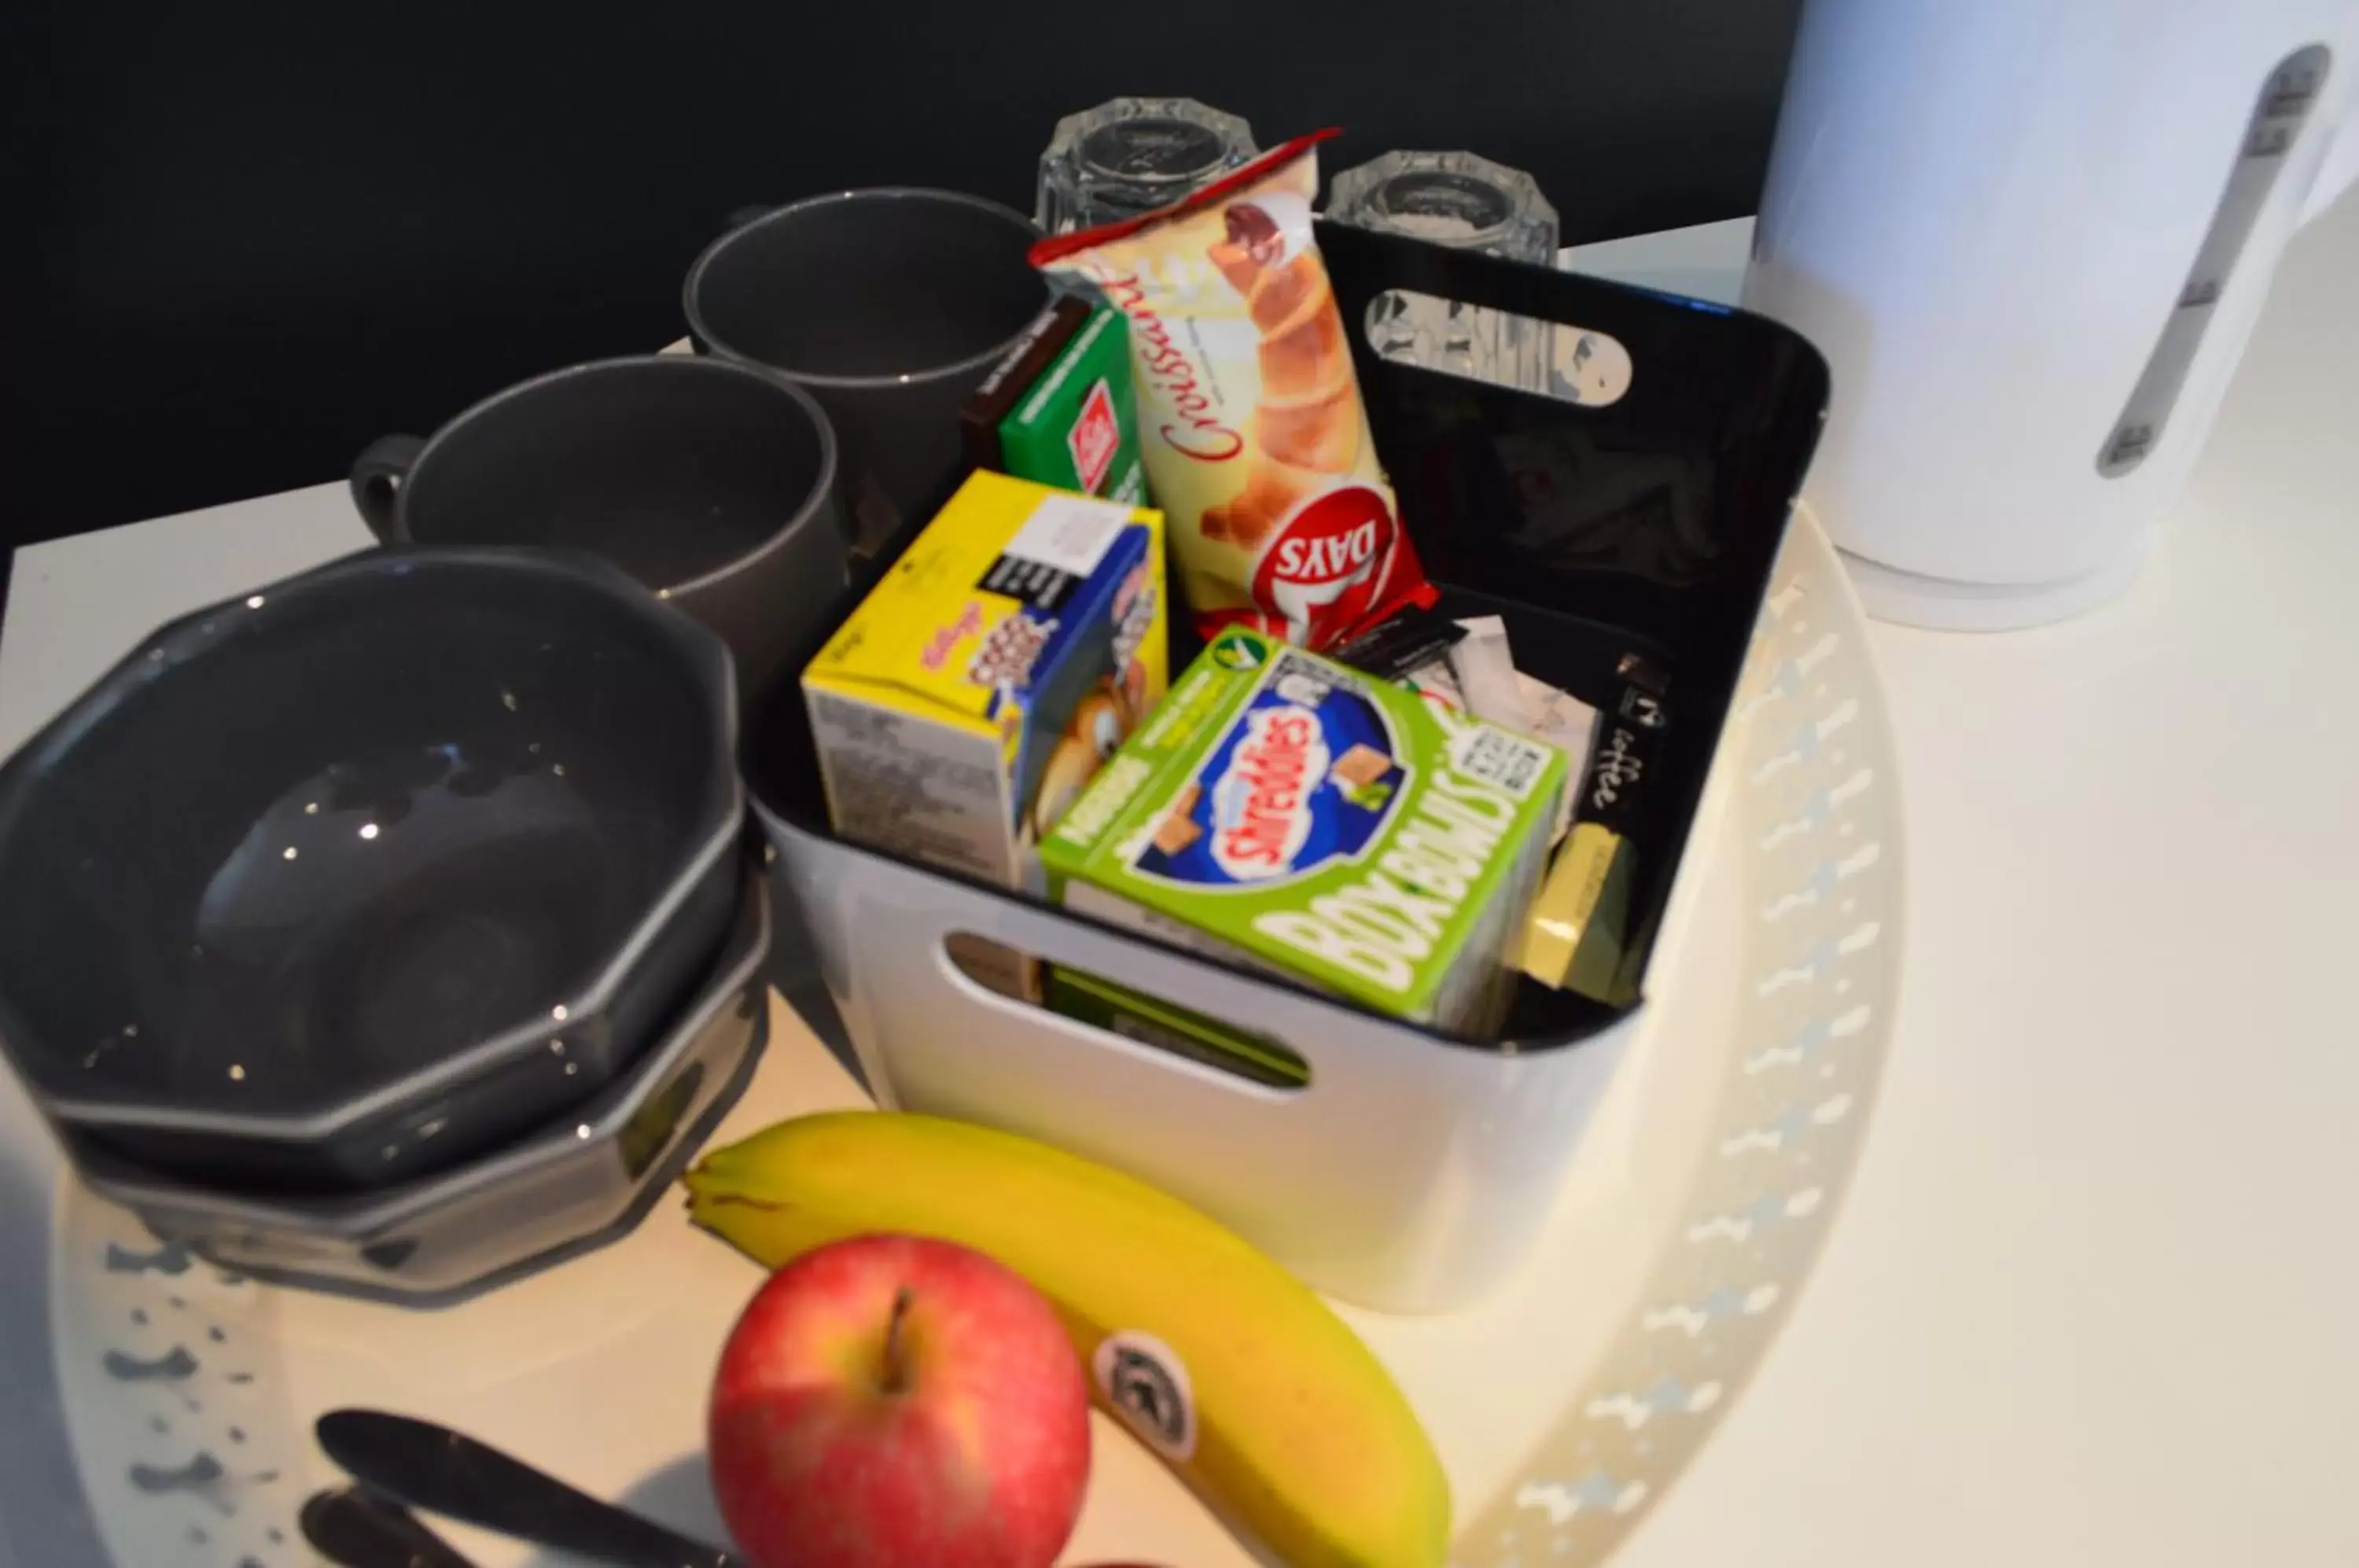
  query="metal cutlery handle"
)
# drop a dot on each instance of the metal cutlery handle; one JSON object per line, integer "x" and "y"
{"x": 444, "y": 1471}
{"x": 355, "y": 1527}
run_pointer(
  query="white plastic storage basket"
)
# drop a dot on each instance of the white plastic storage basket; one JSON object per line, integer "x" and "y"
{"x": 1413, "y": 1169}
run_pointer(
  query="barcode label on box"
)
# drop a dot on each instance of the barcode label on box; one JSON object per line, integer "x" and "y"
{"x": 1507, "y": 762}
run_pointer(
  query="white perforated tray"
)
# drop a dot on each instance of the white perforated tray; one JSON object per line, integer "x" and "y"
{"x": 159, "y": 1414}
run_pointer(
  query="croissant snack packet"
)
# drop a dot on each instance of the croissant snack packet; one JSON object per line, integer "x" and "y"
{"x": 1255, "y": 442}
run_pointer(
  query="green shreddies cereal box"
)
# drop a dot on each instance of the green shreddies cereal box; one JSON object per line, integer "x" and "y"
{"x": 1285, "y": 810}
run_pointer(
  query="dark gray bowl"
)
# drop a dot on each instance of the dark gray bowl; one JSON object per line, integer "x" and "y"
{"x": 340, "y": 883}
{"x": 553, "y": 1193}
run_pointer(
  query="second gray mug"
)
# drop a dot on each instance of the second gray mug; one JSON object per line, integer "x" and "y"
{"x": 890, "y": 306}
{"x": 717, "y": 485}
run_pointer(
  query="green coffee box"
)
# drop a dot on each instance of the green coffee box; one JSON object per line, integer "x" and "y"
{"x": 1283, "y": 810}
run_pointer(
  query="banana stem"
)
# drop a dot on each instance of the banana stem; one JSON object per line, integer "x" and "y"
{"x": 896, "y": 1372}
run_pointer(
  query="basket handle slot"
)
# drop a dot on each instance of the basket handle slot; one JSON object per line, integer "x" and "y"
{"x": 1009, "y": 977}
{"x": 1478, "y": 343}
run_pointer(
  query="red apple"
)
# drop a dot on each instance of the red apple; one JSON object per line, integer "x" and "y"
{"x": 890, "y": 1401}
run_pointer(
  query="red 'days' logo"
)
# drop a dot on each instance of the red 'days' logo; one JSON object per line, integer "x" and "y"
{"x": 1093, "y": 436}
{"x": 1326, "y": 563}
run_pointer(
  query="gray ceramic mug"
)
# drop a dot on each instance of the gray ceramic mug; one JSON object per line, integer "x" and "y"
{"x": 890, "y": 306}
{"x": 715, "y": 483}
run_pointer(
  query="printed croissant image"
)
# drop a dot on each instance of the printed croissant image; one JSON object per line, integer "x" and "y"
{"x": 1308, "y": 427}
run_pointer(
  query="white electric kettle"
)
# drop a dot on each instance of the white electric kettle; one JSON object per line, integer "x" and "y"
{"x": 2031, "y": 237}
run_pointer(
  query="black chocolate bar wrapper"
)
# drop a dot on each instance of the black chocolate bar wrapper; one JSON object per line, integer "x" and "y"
{"x": 1013, "y": 377}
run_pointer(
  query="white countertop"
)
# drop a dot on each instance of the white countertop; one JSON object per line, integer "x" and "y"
{"x": 2087, "y": 1300}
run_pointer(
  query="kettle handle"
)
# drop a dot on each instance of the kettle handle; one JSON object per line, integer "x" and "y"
{"x": 2337, "y": 171}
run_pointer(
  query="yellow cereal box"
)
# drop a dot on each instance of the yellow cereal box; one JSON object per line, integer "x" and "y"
{"x": 981, "y": 683}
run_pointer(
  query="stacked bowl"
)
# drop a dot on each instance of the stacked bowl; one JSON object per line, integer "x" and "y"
{"x": 392, "y": 927}
{"x": 395, "y": 928}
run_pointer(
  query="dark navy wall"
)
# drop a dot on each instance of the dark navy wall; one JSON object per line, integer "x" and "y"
{"x": 245, "y": 238}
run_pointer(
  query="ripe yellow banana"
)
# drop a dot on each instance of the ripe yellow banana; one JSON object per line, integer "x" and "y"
{"x": 1257, "y": 1395}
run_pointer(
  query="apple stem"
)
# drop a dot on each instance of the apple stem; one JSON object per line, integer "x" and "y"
{"x": 897, "y": 1375}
